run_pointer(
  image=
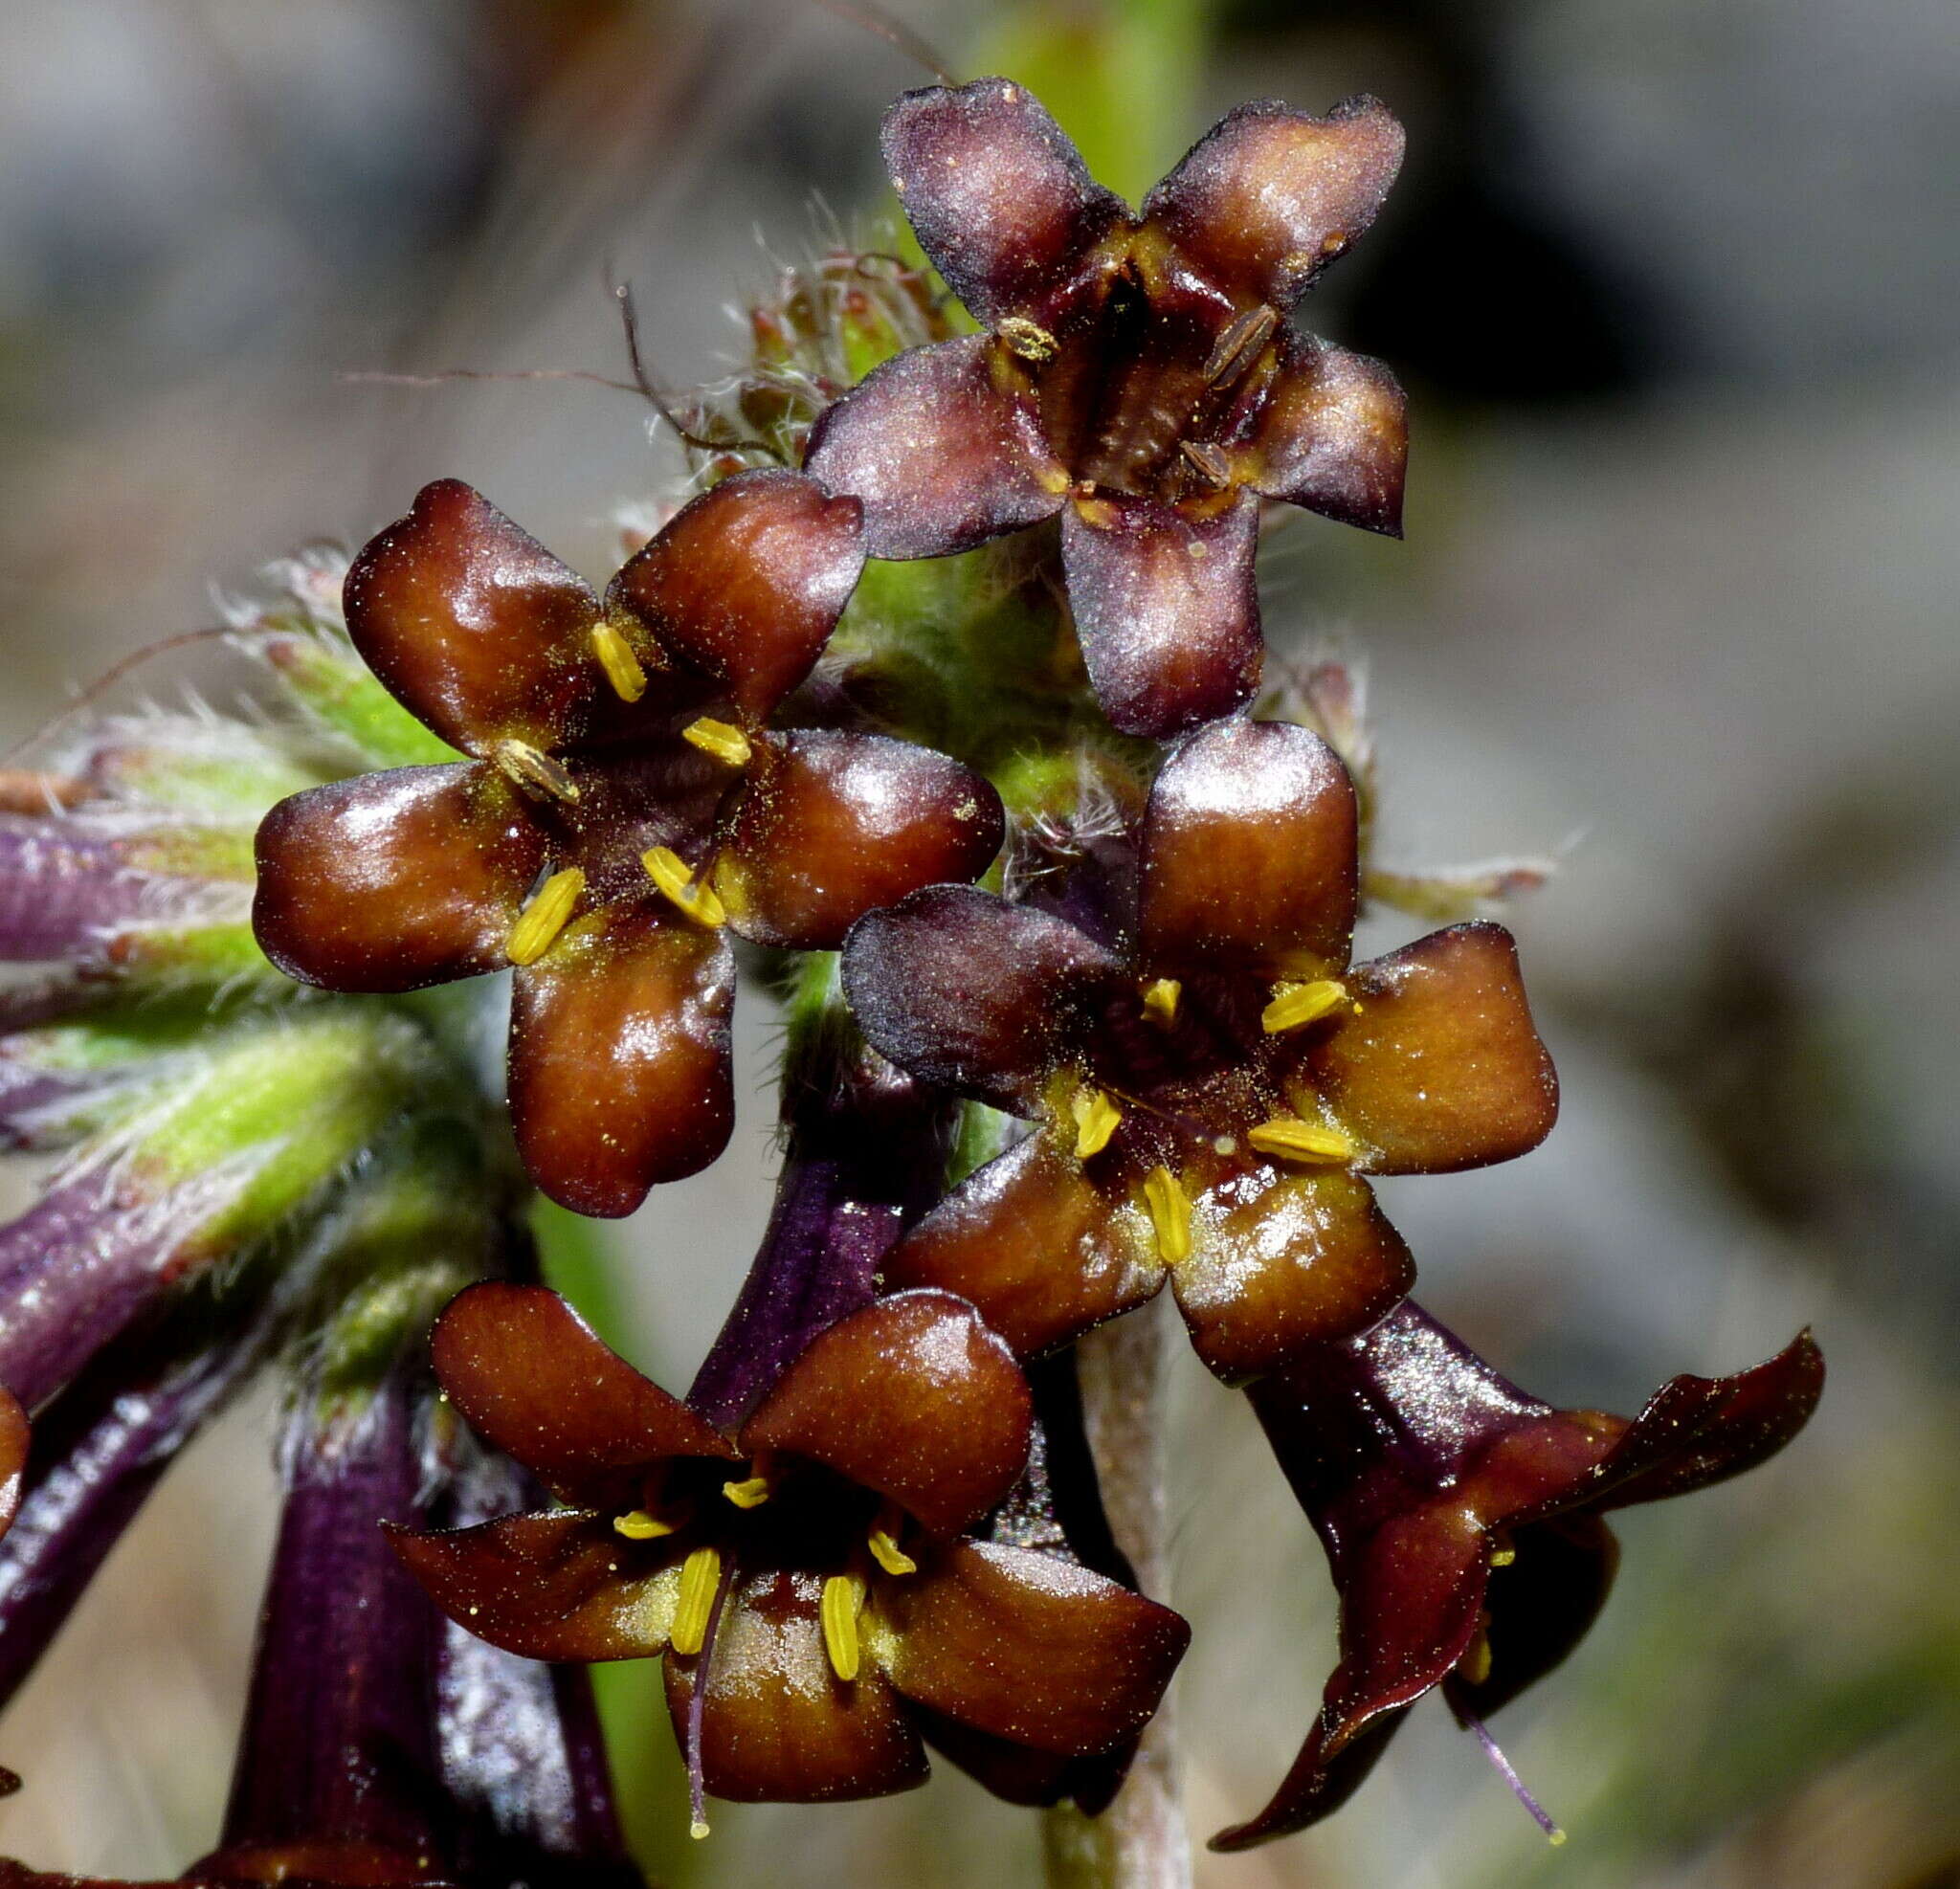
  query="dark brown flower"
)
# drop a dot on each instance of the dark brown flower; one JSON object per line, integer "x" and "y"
{"x": 624, "y": 806}
{"x": 1212, "y": 1090}
{"x": 1423, "y": 1471}
{"x": 810, "y": 1582}
{"x": 1139, "y": 376}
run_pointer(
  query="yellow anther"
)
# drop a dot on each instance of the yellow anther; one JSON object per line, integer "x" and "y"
{"x": 545, "y": 916}
{"x": 701, "y": 1575}
{"x": 1502, "y": 1556}
{"x": 1160, "y": 999}
{"x": 750, "y": 1493}
{"x": 621, "y": 666}
{"x": 843, "y": 1594}
{"x": 723, "y": 740}
{"x": 1096, "y": 1118}
{"x": 534, "y": 770}
{"x": 1168, "y": 1206}
{"x": 1300, "y": 1140}
{"x": 1295, "y": 1004}
{"x": 637, "y": 1525}
{"x": 697, "y": 1830}
{"x": 1475, "y": 1665}
{"x": 1554, "y": 1836}
{"x": 888, "y": 1554}
{"x": 667, "y": 870}
{"x": 1028, "y": 339}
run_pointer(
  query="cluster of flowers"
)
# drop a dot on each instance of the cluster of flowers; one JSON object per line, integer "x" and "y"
{"x": 1065, "y": 929}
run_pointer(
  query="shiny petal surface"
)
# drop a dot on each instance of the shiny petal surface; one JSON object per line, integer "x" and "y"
{"x": 1166, "y": 608}
{"x": 1035, "y": 1246}
{"x": 831, "y": 826}
{"x": 1249, "y": 853}
{"x": 943, "y": 445}
{"x": 1269, "y": 196}
{"x": 558, "y": 1584}
{"x": 534, "y": 1380}
{"x": 1031, "y": 1648}
{"x": 778, "y": 1725}
{"x": 998, "y": 196}
{"x": 472, "y": 625}
{"x": 396, "y": 880}
{"x": 964, "y": 989}
{"x": 1332, "y": 435}
{"x": 1439, "y": 1067}
{"x": 747, "y": 580}
{"x": 619, "y": 1069}
{"x": 1020, "y": 1775}
{"x": 1280, "y": 1261}
{"x": 914, "y": 1397}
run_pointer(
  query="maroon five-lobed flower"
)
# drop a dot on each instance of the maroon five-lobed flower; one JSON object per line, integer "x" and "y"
{"x": 1461, "y": 1520}
{"x": 625, "y": 804}
{"x": 1212, "y": 1088}
{"x": 811, "y": 1582}
{"x": 1138, "y": 376}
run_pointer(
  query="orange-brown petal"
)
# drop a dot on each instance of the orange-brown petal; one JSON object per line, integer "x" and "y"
{"x": 747, "y": 580}
{"x": 1035, "y": 1246}
{"x": 1438, "y": 1066}
{"x": 1249, "y": 853}
{"x": 912, "y": 1396}
{"x": 778, "y": 1725}
{"x": 537, "y": 1382}
{"x": 1165, "y": 608}
{"x": 1332, "y": 434}
{"x": 1029, "y": 1647}
{"x": 472, "y": 624}
{"x": 619, "y": 1057}
{"x": 943, "y": 446}
{"x": 14, "y": 1438}
{"x": 831, "y": 825}
{"x": 1269, "y": 195}
{"x": 396, "y": 880}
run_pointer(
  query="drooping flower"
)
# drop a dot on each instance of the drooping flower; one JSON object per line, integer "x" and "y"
{"x": 1462, "y": 1521}
{"x": 1212, "y": 1085}
{"x": 624, "y": 806}
{"x": 1138, "y": 376}
{"x": 810, "y": 1581}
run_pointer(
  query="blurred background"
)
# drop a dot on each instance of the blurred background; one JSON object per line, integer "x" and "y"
{"x": 1672, "y": 286}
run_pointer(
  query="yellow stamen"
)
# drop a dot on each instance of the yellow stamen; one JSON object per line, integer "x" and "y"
{"x": 697, "y": 1830}
{"x": 1295, "y": 1004}
{"x": 534, "y": 770}
{"x": 1475, "y": 1665}
{"x": 545, "y": 916}
{"x": 701, "y": 1575}
{"x": 750, "y": 1493}
{"x": 843, "y": 1594}
{"x": 667, "y": 870}
{"x": 621, "y": 666}
{"x": 723, "y": 740}
{"x": 637, "y": 1525}
{"x": 888, "y": 1554}
{"x": 1160, "y": 999}
{"x": 1502, "y": 1556}
{"x": 1028, "y": 339}
{"x": 1300, "y": 1140}
{"x": 1096, "y": 1118}
{"x": 1168, "y": 1206}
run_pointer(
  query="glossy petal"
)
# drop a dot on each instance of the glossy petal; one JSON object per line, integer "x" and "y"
{"x": 778, "y": 1725}
{"x": 1166, "y": 608}
{"x": 1332, "y": 434}
{"x": 831, "y": 826}
{"x": 619, "y": 1057}
{"x": 558, "y": 1584}
{"x": 1029, "y": 1647}
{"x": 534, "y": 1380}
{"x": 943, "y": 446}
{"x": 472, "y": 625}
{"x": 1035, "y": 1246}
{"x": 1440, "y": 1066}
{"x": 396, "y": 880}
{"x": 1269, "y": 196}
{"x": 1018, "y": 1774}
{"x": 14, "y": 1438}
{"x": 747, "y": 580}
{"x": 998, "y": 196}
{"x": 964, "y": 989}
{"x": 1282, "y": 1260}
{"x": 912, "y": 1396}
{"x": 1249, "y": 853}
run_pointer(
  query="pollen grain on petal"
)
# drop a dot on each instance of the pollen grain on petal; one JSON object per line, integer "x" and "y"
{"x": 540, "y": 922}
{"x": 670, "y": 872}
